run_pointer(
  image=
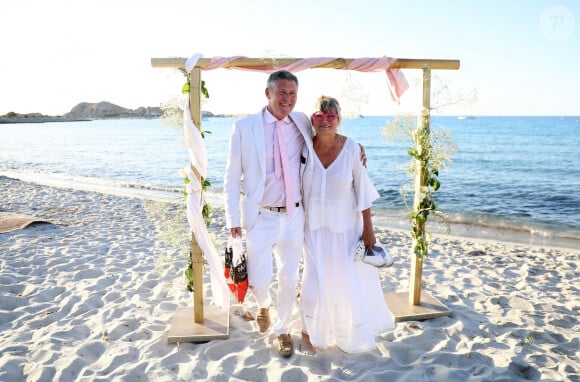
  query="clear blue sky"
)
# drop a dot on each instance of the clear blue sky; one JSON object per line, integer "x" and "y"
{"x": 521, "y": 56}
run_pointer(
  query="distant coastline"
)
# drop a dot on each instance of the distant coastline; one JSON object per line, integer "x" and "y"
{"x": 86, "y": 111}
{"x": 31, "y": 118}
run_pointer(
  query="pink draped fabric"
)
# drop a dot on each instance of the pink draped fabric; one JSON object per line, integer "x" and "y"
{"x": 396, "y": 80}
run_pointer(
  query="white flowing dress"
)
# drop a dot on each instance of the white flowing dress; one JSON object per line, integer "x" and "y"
{"x": 342, "y": 301}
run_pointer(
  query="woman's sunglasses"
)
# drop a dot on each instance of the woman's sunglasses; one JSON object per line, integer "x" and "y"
{"x": 320, "y": 117}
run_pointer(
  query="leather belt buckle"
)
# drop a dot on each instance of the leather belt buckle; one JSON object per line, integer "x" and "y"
{"x": 279, "y": 209}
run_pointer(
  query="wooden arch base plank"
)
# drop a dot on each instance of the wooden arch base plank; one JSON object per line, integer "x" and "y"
{"x": 183, "y": 328}
{"x": 403, "y": 310}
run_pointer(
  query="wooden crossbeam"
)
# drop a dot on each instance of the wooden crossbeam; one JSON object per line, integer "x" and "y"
{"x": 337, "y": 63}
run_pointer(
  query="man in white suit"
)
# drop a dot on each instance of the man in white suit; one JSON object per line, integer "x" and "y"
{"x": 263, "y": 172}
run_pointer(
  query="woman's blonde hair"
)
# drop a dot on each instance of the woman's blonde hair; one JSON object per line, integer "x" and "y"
{"x": 326, "y": 104}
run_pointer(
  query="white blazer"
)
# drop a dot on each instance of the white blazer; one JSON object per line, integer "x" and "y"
{"x": 247, "y": 158}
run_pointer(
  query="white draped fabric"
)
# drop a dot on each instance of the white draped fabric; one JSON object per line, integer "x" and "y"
{"x": 194, "y": 142}
{"x": 198, "y": 159}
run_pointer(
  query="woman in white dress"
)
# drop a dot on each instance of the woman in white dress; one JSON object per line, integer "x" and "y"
{"x": 342, "y": 301}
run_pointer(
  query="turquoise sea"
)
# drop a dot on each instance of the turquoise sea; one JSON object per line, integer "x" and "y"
{"x": 512, "y": 178}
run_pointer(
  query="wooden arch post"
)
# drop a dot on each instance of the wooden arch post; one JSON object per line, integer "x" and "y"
{"x": 210, "y": 323}
{"x": 411, "y": 305}
{"x": 196, "y": 254}
{"x": 420, "y": 181}
{"x": 417, "y": 304}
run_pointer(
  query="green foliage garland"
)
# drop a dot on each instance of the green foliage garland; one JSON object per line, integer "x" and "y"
{"x": 430, "y": 152}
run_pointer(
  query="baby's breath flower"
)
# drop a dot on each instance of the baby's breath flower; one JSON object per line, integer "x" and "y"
{"x": 430, "y": 152}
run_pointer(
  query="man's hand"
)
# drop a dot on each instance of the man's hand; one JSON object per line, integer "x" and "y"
{"x": 363, "y": 155}
{"x": 236, "y": 231}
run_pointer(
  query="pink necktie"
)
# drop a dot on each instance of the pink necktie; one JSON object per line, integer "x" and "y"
{"x": 282, "y": 166}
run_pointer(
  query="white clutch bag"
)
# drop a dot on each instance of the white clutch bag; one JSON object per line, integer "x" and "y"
{"x": 378, "y": 256}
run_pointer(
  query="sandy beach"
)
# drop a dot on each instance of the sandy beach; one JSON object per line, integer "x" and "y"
{"x": 89, "y": 296}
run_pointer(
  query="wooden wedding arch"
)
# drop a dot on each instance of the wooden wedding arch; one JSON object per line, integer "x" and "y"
{"x": 195, "y": 325}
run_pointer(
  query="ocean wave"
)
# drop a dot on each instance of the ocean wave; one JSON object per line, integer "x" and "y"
{"x": 488, "y": 227}
{"x": 96, "y": 184}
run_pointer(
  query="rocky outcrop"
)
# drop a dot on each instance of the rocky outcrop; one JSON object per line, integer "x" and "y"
{"x": 107, "y": 110}
{"x": 85, "y": 111}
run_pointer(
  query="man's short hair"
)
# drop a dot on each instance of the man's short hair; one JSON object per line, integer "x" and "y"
{"x": 281, "y": 75}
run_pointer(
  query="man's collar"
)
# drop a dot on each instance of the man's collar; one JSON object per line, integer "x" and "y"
{"x": 269, "y": 117}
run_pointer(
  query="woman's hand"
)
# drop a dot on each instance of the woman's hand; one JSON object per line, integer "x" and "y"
{"x": 368, "y": 234}
{"x": 368, "y": 237}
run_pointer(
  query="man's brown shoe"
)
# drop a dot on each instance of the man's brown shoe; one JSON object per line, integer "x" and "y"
{"x": 263, "y": 319}
{"x": 285, "y": 345}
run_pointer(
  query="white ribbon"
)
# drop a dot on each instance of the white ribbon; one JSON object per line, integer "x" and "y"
{"x": 191, "y": 61}
{"x": 218, "y": 285}
{"x": 194, "y": 142}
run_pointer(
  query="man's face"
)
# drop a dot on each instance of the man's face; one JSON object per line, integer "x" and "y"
{"x": 282, "y": 99}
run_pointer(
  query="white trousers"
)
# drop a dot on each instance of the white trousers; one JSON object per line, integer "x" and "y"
{"x": 282, "y": 235}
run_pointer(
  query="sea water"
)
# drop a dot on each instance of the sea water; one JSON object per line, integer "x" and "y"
{"x": 513, "y": 178}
